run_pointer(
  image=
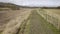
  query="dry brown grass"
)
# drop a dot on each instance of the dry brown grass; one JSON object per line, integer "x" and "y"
{"x": 15, "y": 18}
{"x": 57, "y": 11}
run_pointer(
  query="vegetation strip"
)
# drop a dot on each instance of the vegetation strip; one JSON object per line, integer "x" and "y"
{"x": 51, "y": 26}
{"x": 50, "y": 17}
{"x": 22, "y": 28}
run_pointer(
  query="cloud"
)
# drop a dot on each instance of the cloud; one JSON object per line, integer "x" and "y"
{"x": 4, "y": 0}
{"x": 35, "y": 2}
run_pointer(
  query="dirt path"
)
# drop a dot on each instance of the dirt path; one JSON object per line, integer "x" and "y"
{"x": 36, "y": 25}
{"x": 39, "y": 25}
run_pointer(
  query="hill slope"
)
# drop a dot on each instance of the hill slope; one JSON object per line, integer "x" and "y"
{"x": 9, "y": 5}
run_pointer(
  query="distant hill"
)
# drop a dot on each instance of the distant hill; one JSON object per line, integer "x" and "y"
{"x": 9, "y": 5}
{"x": 40, "y": 7}
{"x": 14, "y": 6}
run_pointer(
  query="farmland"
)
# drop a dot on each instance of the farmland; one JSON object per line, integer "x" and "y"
{"x": 30, "y": 21}
{"x": 55, "y": 13}
{"x": 51, "y": 15}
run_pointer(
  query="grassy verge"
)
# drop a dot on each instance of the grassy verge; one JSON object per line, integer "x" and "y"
{"x": 50, "y": 26}
{"x": 24, "y": 27}
{"x": 27, "y": 27}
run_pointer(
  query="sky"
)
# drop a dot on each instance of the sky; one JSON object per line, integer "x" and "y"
{"x": 34, "y": 2}
{"x": 4, "y": 0}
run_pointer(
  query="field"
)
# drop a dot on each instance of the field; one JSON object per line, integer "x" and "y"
{"x": 11, "y": 19}
{"x": 52, "y": 16}
{"x": 30, "y": 21}
{"x": 57, "y": 15}
{"x": 57, "y": 11}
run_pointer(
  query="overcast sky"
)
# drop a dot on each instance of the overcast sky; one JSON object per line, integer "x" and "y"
{"x": 34, "y": 2}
